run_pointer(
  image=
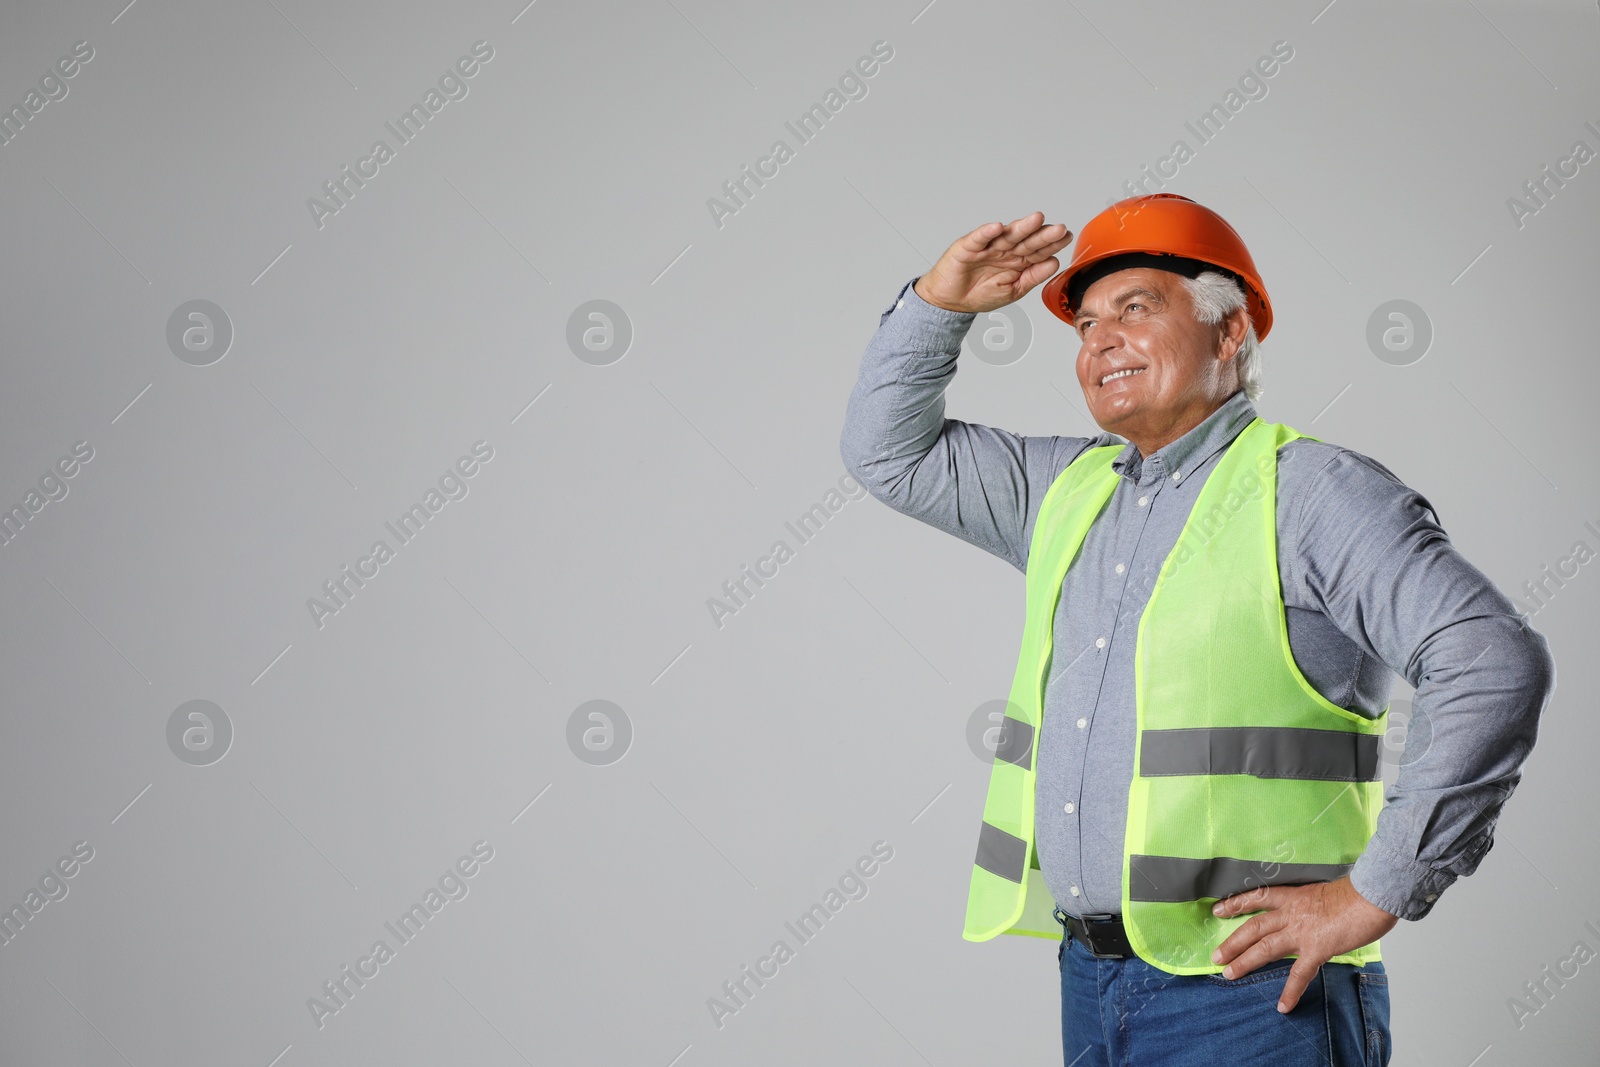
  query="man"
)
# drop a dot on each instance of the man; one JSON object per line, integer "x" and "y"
{"x": 1214, "y": 607}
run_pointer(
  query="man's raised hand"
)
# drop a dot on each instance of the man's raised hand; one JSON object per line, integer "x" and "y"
{"x": 994, "y": 264}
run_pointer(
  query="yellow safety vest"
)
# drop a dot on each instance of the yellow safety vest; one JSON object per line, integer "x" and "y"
{"x": 1243, "y": 774}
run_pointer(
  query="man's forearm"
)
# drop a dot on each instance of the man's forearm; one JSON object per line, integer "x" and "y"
{"x": 1474, "y": 721}
{"x": 967, "y": 479}
{"x": 896, "y": 410}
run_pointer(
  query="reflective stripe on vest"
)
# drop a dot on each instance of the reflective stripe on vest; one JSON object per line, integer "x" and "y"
{"x": 1243, "y": 774}
{"x": 1264, "y": 751}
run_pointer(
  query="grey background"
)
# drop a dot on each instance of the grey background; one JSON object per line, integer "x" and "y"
{"x": 832, "y": 711}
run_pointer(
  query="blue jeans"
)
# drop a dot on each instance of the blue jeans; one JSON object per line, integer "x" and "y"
{"x": 1127, "y": 1013}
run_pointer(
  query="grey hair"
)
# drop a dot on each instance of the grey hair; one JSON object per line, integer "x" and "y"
{"x": 1215, "y": 296}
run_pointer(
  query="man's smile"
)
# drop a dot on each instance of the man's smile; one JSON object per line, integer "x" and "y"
{"x": 1125, "y": 372}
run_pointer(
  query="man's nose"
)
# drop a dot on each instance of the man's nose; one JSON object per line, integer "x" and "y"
{"x": 1105, "y": 338}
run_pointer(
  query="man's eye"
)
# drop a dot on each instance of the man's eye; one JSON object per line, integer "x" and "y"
{"x": 1132, "y": 306}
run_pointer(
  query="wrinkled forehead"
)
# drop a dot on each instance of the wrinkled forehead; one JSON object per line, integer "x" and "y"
{"x": 1111, "y": 290}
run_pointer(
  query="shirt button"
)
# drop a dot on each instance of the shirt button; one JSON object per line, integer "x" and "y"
{"x": 1429, "y": 897}
{"x": 1177, "y": 475}
{"x": 1121, "y": 568}
{"x": 898, "y": 304}
{"x": 1069, "y": 808}
{"x": 1099, "y": 642}
{"x": 1143, "y": 501}
{"x": 1082, "y": 723}
{"x": 1072, "y": 889}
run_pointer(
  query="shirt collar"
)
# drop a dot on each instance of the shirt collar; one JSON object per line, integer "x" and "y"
{"x": 1188, "y": 452}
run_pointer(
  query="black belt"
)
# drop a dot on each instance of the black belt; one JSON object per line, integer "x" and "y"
{"x": 1101, "y": 933}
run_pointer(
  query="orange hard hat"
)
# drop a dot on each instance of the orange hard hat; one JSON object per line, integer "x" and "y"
{"x": 1162, "y": 230}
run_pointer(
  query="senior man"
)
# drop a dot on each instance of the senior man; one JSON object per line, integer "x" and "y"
{"x": 1214, "y": 604}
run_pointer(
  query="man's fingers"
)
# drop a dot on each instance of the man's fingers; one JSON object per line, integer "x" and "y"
{"x": 1027, "y": 239}
{"x": 1251, "y": 936}
{"x": 1048, "y": 240}
{"x": 1037, "y": 273}
{"x": 1017, "y": 232}
{"x": 1015, "y": 282}
{"x": 1248, "y": 900}
{"x": 1262, "y": 946}
{"x": 1300, "y": 975}
{"x": 997, "y": 260}
{"x": 979, "y": 239}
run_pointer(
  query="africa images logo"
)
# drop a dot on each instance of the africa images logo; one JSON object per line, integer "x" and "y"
{"x": 453, "y": 85}
{"x": 805, "y": 128}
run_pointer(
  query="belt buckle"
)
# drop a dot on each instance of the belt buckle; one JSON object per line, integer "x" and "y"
{"x": 1087, "y": 922}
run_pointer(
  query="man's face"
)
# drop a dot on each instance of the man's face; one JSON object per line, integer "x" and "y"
{"x": 1143, "y": 320}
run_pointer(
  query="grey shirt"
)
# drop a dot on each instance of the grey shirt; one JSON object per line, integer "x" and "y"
{"x": 1371, "y": 584}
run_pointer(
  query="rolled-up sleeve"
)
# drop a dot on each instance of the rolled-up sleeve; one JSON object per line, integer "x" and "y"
{"x": 1373, "y": 557}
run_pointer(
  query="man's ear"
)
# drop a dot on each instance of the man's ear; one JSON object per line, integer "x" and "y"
{"x": 1234, "y": 326}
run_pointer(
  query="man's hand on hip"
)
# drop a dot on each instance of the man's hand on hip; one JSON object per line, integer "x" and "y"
{"x": 994, "y": 265}
{"x": 1315, "y": 922}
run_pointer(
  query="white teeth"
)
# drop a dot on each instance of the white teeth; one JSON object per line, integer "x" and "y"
{"x": 1120, "y": 374}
